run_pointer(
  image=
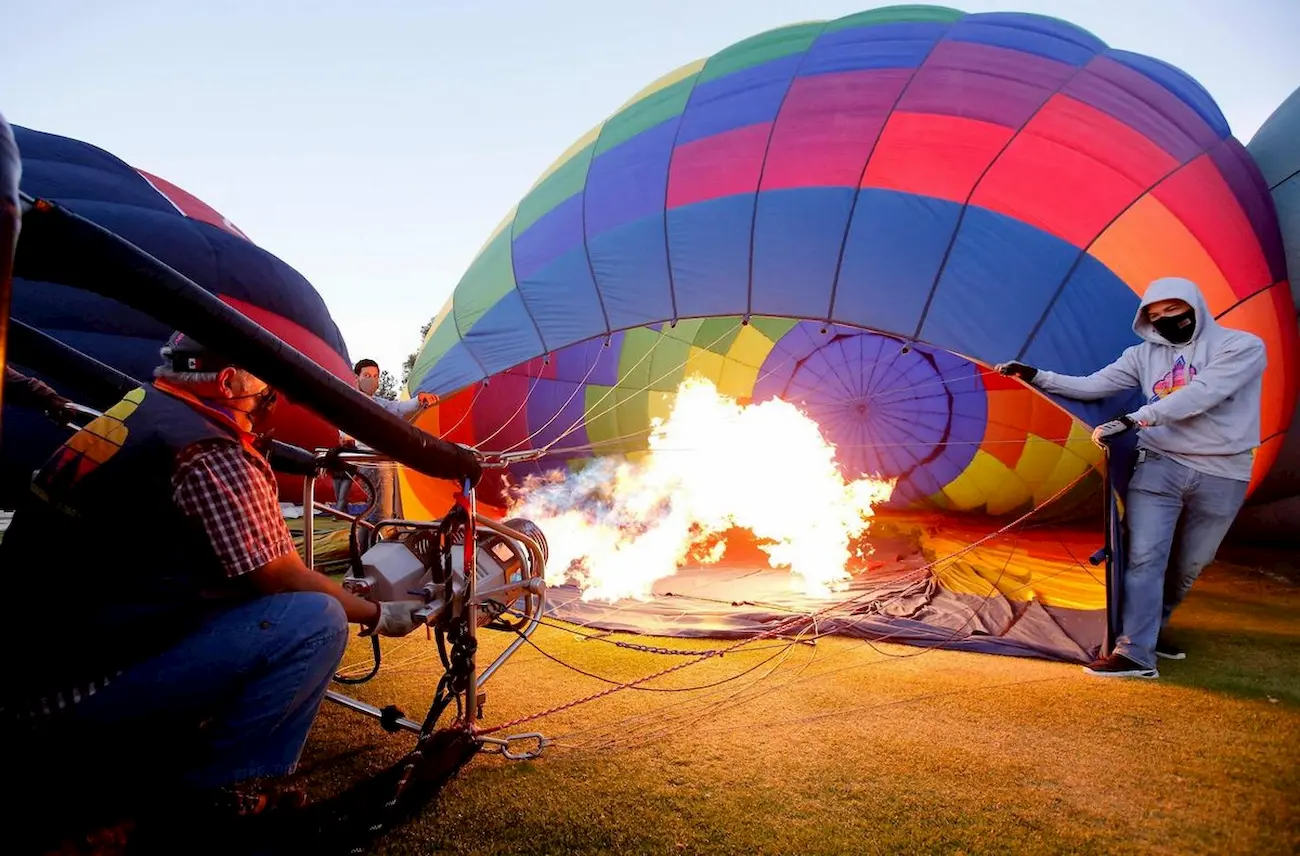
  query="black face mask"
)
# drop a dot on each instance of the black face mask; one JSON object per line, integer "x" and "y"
{"x": 1178, "y": 329}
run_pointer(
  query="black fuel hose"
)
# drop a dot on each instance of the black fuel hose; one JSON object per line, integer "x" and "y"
{"x": 58, "y": 245}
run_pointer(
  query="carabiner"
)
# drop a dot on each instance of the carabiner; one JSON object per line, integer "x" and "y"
{"x": 503, "y": 745}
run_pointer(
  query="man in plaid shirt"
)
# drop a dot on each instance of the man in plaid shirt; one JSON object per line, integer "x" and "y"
{"x": 197, "y": 609}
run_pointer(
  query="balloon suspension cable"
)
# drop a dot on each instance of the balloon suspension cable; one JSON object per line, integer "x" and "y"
{"x": 577, "y": 388}
{"x": 802, "y": 637}
{"x": 784, "y": 626}
{"x": 536, "y": 381}
{"x": 500, "y": 459}
{"x": 469, "y": 408}
{"x": 591, "y": 413}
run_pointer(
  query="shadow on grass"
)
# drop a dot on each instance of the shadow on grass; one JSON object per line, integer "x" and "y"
{"x": 1251, "y": 664}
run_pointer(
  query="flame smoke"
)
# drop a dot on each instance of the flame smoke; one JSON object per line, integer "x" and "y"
{"x": 617, "y": 526}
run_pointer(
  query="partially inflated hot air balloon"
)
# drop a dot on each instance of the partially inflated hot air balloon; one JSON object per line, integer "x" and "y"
{"x": 956, "y": 436}
{"x": 859, "y": 216}
{"x": 1276, "y": 148}
{"x": 189, "y": 236}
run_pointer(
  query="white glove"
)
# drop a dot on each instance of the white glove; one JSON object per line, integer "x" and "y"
{"x": 396, "y": 618}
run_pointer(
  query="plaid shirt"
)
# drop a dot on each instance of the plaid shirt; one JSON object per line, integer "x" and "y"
{"x": 233, "y": 495}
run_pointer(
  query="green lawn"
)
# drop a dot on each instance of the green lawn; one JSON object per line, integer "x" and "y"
{"x": 844, "y": 747}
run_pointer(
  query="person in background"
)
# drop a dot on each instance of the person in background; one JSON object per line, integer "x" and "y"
{"x": 1199, "y": 429}
{"x": 381, "y": 475}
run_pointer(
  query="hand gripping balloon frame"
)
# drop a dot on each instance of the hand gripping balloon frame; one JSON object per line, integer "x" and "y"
{"x": 499, "y": 585}
{"x": 464, "y": 572}
{"x": 500, "y": 567}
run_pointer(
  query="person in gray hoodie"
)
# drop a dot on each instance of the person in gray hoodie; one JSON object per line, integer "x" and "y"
{"x": 1198, "y": 431}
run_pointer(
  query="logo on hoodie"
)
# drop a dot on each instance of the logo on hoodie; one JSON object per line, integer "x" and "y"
{"x": 1178, "y": 377}
{"x": 84, "y": 452}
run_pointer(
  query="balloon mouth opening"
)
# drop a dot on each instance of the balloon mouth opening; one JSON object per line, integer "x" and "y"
{"x": 624, "y": 523}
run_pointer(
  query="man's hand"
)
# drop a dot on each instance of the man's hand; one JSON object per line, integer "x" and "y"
{"x": 57, "y": 408}
{"x": 1113, "y": 428}
{"x": 66, "y": 412}
{"x": 288, "y": 573}
{"x": 1016, "y": 369}
{"x": 31, "y": 392}
{"x": 396, "y": 618}
{"x": 426, "y": 399}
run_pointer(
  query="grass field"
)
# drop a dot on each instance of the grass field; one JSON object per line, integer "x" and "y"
{"x": 845, "y": 747}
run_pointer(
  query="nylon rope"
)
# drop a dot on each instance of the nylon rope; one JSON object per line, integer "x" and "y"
{"x": 468, "y": 410}
{"x": 536, "y": 382}
{"x": 779, "y": 627}
{"x": 688, "y": 718}
{"x": 587, "y": 417}
{"x": 589, "y": 414}
{"x": 581, "y": 385}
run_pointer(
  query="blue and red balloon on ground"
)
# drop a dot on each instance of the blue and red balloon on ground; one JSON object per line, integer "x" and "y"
{"x": 186, "y": 234}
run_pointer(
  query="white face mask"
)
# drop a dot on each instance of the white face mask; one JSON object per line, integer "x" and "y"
{"x": 367, "y": 384}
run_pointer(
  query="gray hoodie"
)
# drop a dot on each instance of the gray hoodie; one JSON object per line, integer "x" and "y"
{"x": 405, "y": 409}
{"x": 1212, "y": 424}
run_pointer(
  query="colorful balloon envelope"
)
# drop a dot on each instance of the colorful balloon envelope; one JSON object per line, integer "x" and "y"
{"x": 955, "y": 436}
{"x": 1274, "y": 516}
{"x": 860, "y": 216}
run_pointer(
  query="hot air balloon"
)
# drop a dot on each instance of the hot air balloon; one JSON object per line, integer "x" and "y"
{"x": 186, "y": 234}
{"x": 956, "y": 436}
{"x": 1275, "y": 516}
{"x": 860, "y": 216}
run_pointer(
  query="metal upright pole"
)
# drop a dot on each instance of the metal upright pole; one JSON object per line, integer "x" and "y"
{"x": 471, "y": 605}
{"x": 309, "y": 521}
{"x": 10, "y": 222}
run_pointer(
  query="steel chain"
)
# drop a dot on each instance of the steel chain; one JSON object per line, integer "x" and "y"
{"x": 456, "y": 680}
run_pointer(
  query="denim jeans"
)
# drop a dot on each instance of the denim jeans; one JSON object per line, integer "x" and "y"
{"x": 341, "y": 488}
{"x": 382, "y": 479}
{"x": 1176, "y": 519}
{"x": 251, "y": 680}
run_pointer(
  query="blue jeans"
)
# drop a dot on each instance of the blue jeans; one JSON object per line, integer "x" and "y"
{"x": 1176, "y": 519}
{"x": 341, "y": 488}
{"x": 251, "y": 679}
{"x": 382, "y": 479}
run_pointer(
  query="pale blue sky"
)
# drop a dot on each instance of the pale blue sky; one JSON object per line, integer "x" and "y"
{"x": 374, "y": 144}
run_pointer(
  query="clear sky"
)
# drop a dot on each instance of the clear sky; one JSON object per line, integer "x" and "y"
{"x": 374, "y": 144}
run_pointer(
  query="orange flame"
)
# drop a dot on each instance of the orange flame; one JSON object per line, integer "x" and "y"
{"x": 618, "y": 526}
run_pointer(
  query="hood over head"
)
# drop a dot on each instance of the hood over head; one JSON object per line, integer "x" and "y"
{"x": 1172, "y": 288}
